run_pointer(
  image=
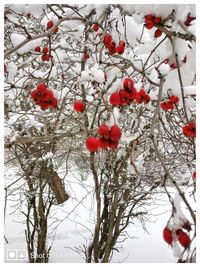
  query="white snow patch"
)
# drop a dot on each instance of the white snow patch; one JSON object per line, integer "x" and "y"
{"x": 17, "y": 38}
{"x": 164, "y": 69}
{"x": 190, "y": 90}
{"x": 48, "y": 155}
{"x": 12, "y": 71}
{"x": 98, "y": 75}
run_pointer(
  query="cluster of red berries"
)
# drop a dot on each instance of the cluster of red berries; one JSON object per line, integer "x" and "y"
{"x": 44, "y": 97}
{"x": 189, "y": 130}
{"x": 173, "y": 65}
{"x": 128, "y": 94}
{"x": 46, "y": 56}
{"x": 50, "y": 25}
{"x": 188, "y": 20}
{"x": 150, "y": 21}
{"x": 169, "y": 104}
{"x": 173, "y": 235}
{"x": 79, "y": 106}
{"x": 108, "y": 138}
{"x": 142, "y": 97}
{"x": 111, "y": 45}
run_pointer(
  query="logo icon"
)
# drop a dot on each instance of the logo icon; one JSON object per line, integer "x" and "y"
{"x": 17, "y": 255}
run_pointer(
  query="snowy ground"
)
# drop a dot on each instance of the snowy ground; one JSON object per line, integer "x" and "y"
{"x": 147, "y": 248}
{"x": 143, "y": 247}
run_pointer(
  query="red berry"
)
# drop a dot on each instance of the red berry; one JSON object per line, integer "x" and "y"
{"x": 149, "y": 24}
{"x": 53, "y": 102}
{"x": 189, "y": 130}
{"x": 34, "y": 94}
{"x": 194, "y": 175}
{"x": 128, "y": 83}
{"x": 173, "y": 66}
{"x": 184, "y": 59}
{"x": 174, "y": 99}
{"x": 166, "y": 61}
{"x": 45, "y": 50}
{"x": 184, "y": 239}
{"x": 48, "y": 95}
{"x": 5, "y": 68}
{"x": 157, "y": 33}
{"x": 86, "y": 56}
{"x": 157, "y": 20}
{"x": 103, "y": 143}
{"x": 178, "y": 231}
{"x": 44, "y": 105}
{"x": 103, "y": 131}
{"x": 45, "y": 57}
{"x": 28, "y": 15}
{"x": 133, "y": 93}
{"x": 146, "y": 99}
{"x": 107, "y": 40}
{"x": 149, "y": 17}
{"x": 122, "y": 43}
{"x": 186, "y": 225}
{"x": 50, "y": 24}
{"x": 167, "y": 105}
{"x": 55, "y": 30}
{"x": 41, "y": 88}
{"x": 115, "y": 133}
{"x": 119, "y": 49}
{"x": 124, "y": 97}
{"x": 95, "y": 27}
{"x": 188, "y": 20}
{"x": 92, "y": 144}
{"x": 79, "y": 106}
{"x": 142, "y": 96}
{"x": 112, "y": 48}
{"x": 115, "y": 99}
{"x": 37, "y": 49}
{"x": 167, "y": 235}
{"x": 112, "y": 144}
